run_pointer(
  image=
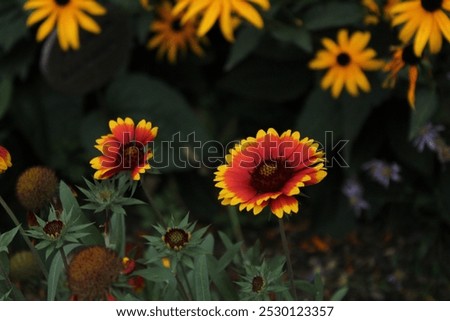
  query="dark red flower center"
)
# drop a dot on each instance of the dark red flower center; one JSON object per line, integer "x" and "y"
{"x": 431, "y": 5}
{"x": 176, "y": 238}
{"x": 270, "y": 176}
{"x": 409, "y": 57}
{"x": 343, "y": 59}
{"x": 53, "y": 228}
{"x": 62, "y": 2}
{"x": 133, "y": 155}
{"x": 257, "y": 284}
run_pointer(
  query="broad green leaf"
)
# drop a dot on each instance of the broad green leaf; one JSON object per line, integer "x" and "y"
{"x": 12, "y": 24}
{"x": 6, "y": 238}
{"x": 221, "y": 280}
{"x": 180, "y": 130}
{"x": 56, "y": 269}
{"x": 228, "y": 257}
{"x": 305, "y": 286}
{"x": 156, "y": 274}
{"x": 298, "y": 36}
{"x": 201, "y": 279}
{"x": 333, "y": 14}
{"x": 267, "y": 80}
{"x": 6, "y": 90}
{"x": 320, "y": 114}
{"x": 339, "y": 294}
{"x": 426, "y": 105}
{"x": 246, "y": 41}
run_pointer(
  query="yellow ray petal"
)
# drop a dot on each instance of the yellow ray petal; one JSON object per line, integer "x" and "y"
{"x": 86, "y": 22}
{"x": 194, "y": 8}
{"x": 210, "y": 17}
{"x": 359, "y": 41}
{"x": 444, "y": 23}
{"x": 226, "y": 25}
{"x": 92, "y": 7}
{"x": 46, "y": 27}
{"x": 435, "y": 37}
{"x": 249, "y": 13}
{"x": 264, "y": 4}
{"x": 38, "y": 15}
{"x": 423, "y": 34}
{"x": 338, "y": 84}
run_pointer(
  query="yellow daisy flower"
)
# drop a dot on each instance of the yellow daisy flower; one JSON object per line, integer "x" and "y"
{"x": 402, "y": 57}
{"x": 171, "y": 36}
{"x": 345, "y": 60}
{"x": 427, "y": 20}
{"x": 66, "y": 16}
{"x": 222, "y": 10}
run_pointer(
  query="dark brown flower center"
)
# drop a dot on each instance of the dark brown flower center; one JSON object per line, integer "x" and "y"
{"x": 133, "y": 156}
{"x": 257, "y": 284}
{"x": 270, "y": 176}
{"x": 53, "y": 228}
{"x": 62, "y": 3}
{"x": 176, "y": 25}
{"x": 409, "y": 57}
{"x": 176, "y": 238}
{"x": 431, "y": 5}
{"x": 343, "y": 59}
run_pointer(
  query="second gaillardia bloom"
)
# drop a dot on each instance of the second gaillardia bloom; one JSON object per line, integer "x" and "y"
{"x": 125, "y": 149}
{"x": 269, "y": 170}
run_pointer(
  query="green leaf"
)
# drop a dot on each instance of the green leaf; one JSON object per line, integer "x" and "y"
{"x": 305, "y": 286}
{"x": 333, "y": 14}
{"x": 56, "y": 269}
{"x": 12, "y": 24}
{"x": 426, "y": 105}
{"x": 228, "y": 257}
{"x": 318, "y": 284}
{"x": 201, "y": 279}
{"x": 298, "y": 36}
{"x": 118, "y": 233}
{"x": 156, "y": 274}
{"x": 70, "y": 203}
{"x": 221, "y": 280}
{"x": 180, "y": 134}
{"x": 339, "y": 294}
{"x": 208, "y": 244}
{"x": 320, "y": 113}
{"x": 6, "y": 238}
{"x": 267, "y": 80}
{"x": 6, "y": 90}
{"x": 246, "y": 41}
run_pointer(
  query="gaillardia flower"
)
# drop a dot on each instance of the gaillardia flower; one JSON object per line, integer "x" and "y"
{"x": 224, "y": 10}
{"x": 5, "y": 159}
{"x": 426, "y": 19}
{"x": 404, "y": 57}
{"x": 125, "y": 149}
{"x": 171, "y": 36}
{"x": 66, "y": 16}
{"x": 269, "y": 170}
{"x": 345, "y": 61}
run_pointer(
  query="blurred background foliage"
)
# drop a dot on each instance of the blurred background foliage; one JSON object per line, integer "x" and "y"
{"x": 54, "y": 105}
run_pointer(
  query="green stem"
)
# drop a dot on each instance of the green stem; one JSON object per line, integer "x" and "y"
{"x": 151, "y": 202}
{"x": 183, "y": 272}
{"x": 288, "y": 258}
{"x": 25, "y": 237}
{"x": 182, "y": 289}
{"x": 236, "y": 226}
{"x": 64, "y": 258}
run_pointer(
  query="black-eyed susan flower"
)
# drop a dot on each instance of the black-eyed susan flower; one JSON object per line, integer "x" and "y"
{"x": 269, "y": 170}
{"x": 172, "y": 37}
{"x": 426, "y": 20}
{"x": 92, "y": 271}
{"x": 346, "y": 60}
{"x": 66, "y": 16}
{"x": 402, "y": 57}
{"x": 222, "y": 10}
{"x": 36, "y": 187}
{"x": 125, "y": 149}
{"x": 5, "y": 159}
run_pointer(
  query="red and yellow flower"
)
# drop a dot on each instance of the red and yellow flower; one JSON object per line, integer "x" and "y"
{"x": 5, "y": 159}
{"x": 125, "y": 149}
{"x": 269, "y": 170}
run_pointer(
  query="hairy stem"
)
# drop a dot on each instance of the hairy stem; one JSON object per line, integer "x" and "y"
{"x": 288, "y": 258}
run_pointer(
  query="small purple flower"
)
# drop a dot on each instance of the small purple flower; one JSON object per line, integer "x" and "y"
{"x": 354, "y": 192}
{"x": 428, "y": 137}
{"x": 382, "y": 172}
